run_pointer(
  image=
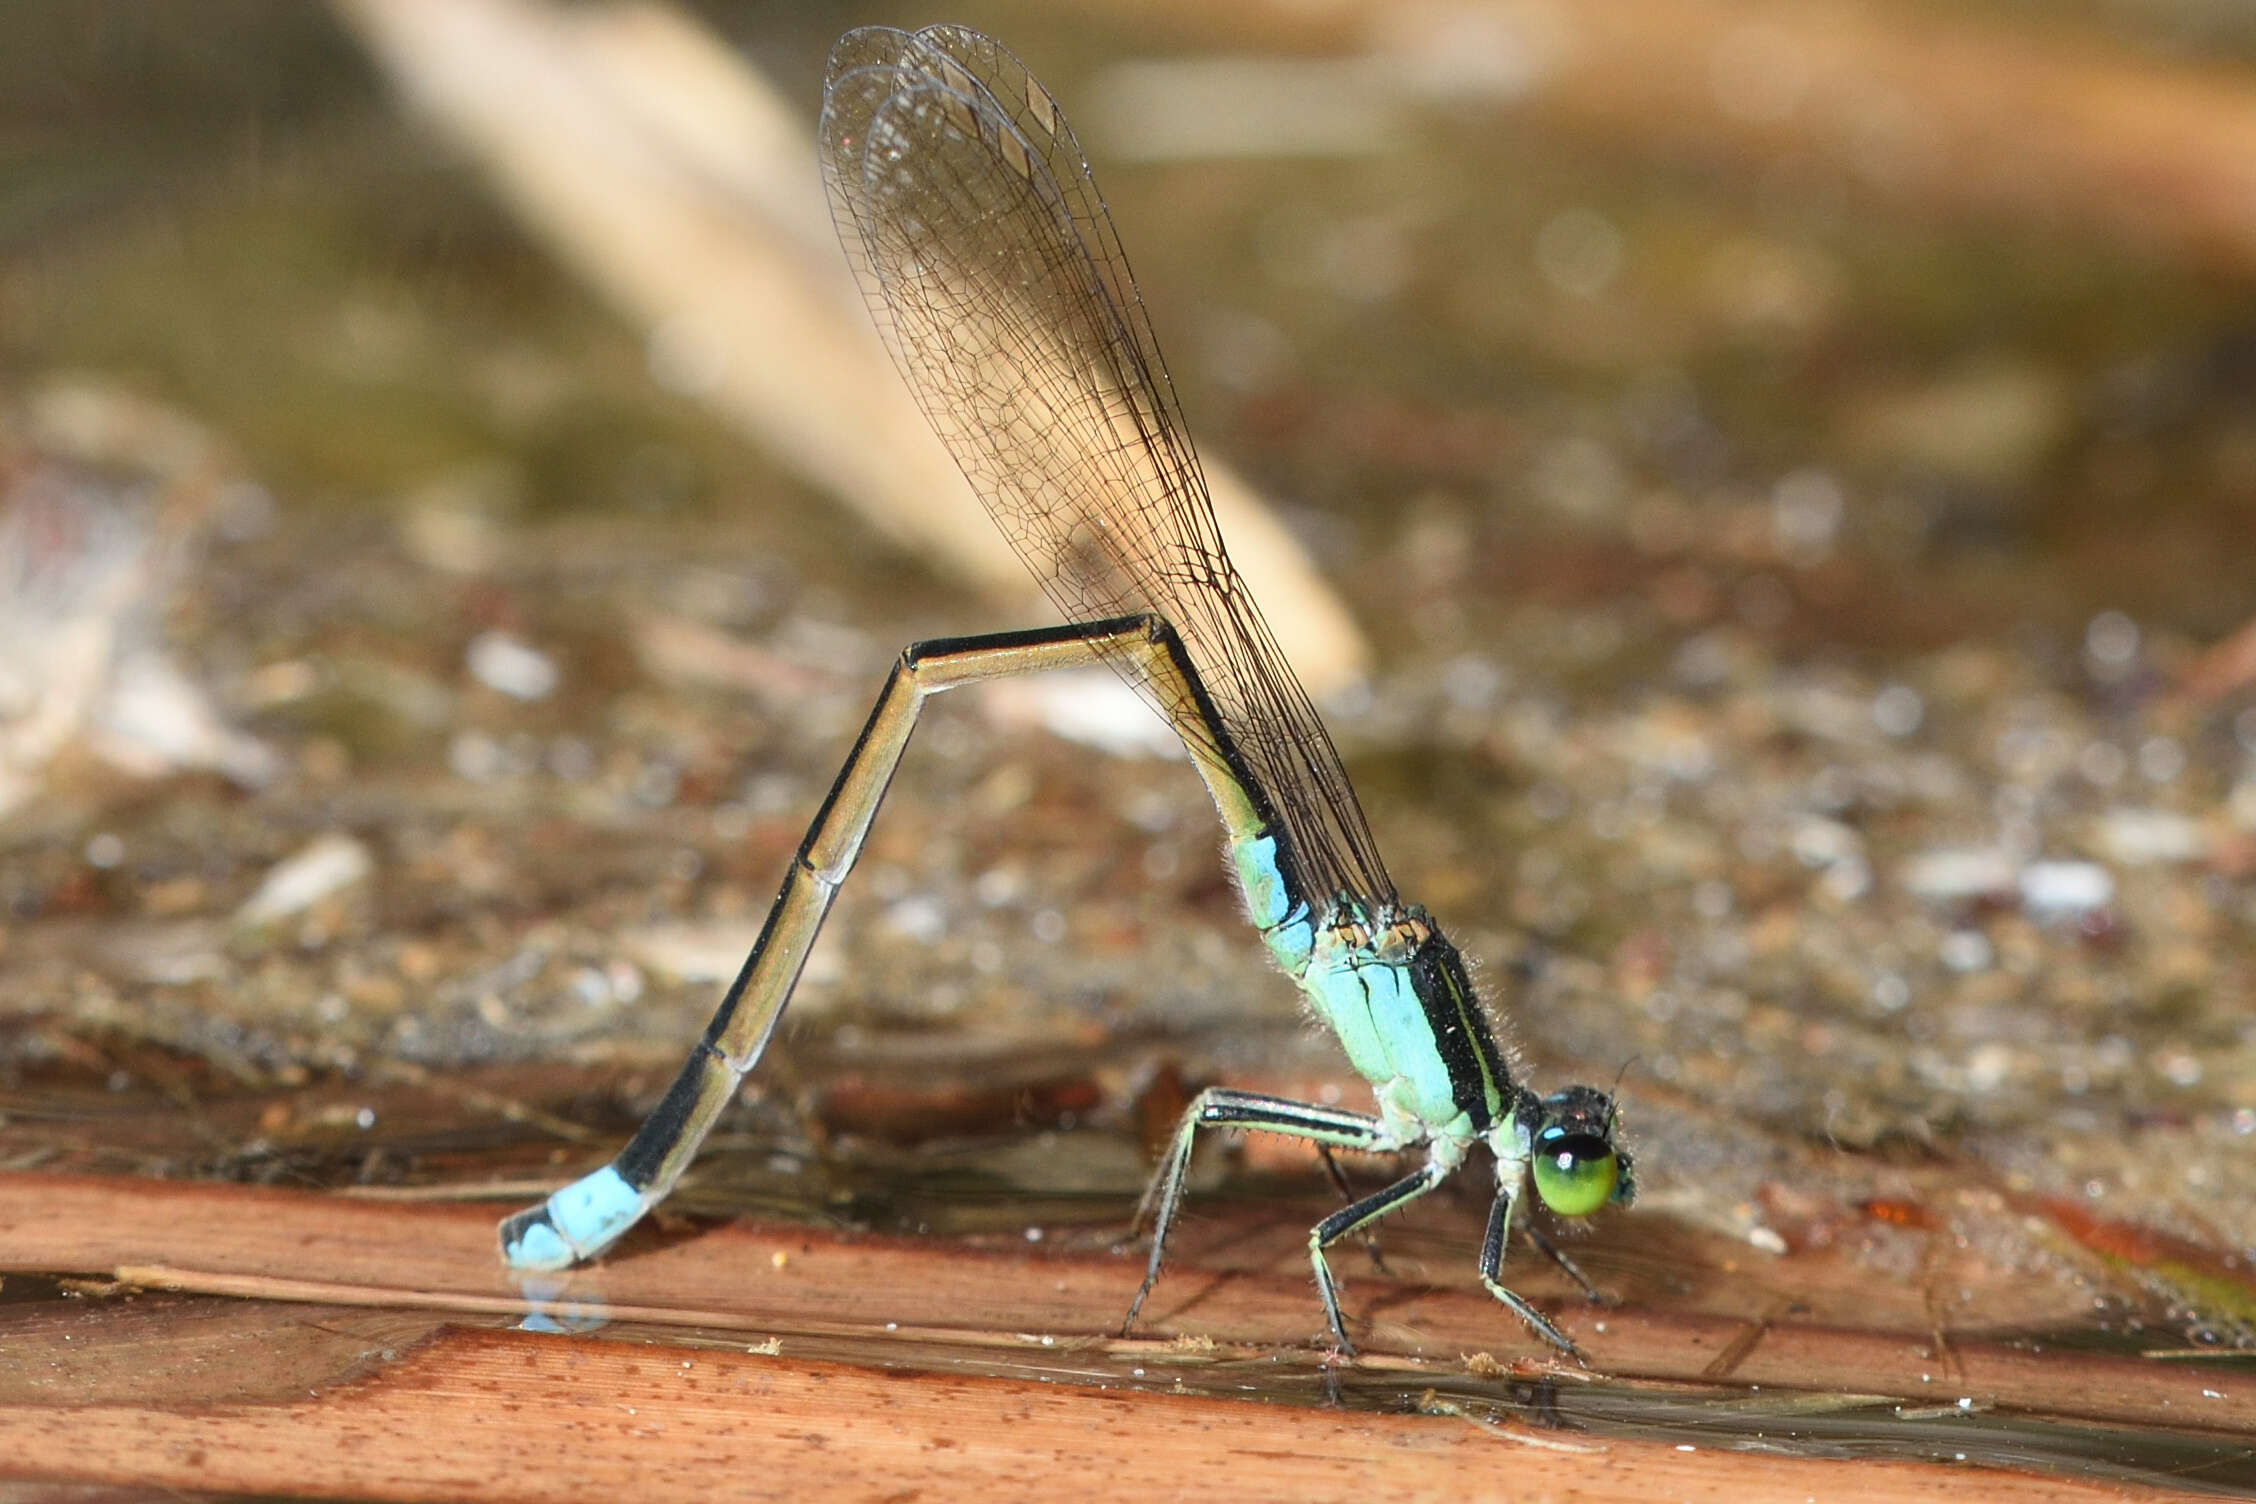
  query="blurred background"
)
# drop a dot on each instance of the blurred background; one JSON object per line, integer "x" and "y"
{"x": 1764, "y": 491}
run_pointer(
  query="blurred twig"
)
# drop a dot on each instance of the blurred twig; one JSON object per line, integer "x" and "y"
{"x": 670, "y": 175}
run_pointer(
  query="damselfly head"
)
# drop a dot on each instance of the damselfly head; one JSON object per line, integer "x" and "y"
{"x": 1577, "y": 1166}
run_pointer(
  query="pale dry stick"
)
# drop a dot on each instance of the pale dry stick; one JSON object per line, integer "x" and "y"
{"x": 673, "y": 178}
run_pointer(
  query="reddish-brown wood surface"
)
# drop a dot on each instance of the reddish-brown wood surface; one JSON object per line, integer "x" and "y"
{"x": 338, "y": 1375}
{"x": 507, "y": 1415}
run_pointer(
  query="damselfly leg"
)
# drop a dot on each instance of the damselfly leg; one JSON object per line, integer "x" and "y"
{"x": 1349, "y": 1195}
{"x": 1220, "y": 1107}
{"x": 1492, "y": 1261}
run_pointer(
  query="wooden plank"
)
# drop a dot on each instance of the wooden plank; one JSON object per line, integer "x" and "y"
{"x": 513, "y": 1416}
{"x": 765, "y": 1280}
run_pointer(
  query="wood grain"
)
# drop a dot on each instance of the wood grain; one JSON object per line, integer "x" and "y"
{"x": 513, "y": 1416}
{"x": 343, "y": 1368}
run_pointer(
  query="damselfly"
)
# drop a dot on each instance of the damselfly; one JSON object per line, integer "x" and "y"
{"x": 991, "y": 265}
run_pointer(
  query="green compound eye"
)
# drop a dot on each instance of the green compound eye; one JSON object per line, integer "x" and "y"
{"x": 1574, "y": 1172}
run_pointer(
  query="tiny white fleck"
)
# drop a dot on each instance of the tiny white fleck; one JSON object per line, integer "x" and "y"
{"x": 2112, "y": 641}
{"x": 1898, "y": 710}
{"x": 919, "y": 917}
{"x": 1686, "y": 1446}
{"x": 1891, "y": 993}
{"x": 1965, "y": 951}
{"x": 2160, "y": 759}
{"x": 2056, "y": 888}
{"x": 499, "y": 661}
{"x": 1033, "y": 1235}
{"x": 327, "y": 865}
{"x": 476, "y": 757}
{"x": 2211, "y": 1394}
{"x": 1805, "y": 514}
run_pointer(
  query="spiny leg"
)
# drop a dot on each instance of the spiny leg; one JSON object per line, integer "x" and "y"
{"x": 588, "y": 1215}
{"x": 1558, "y": 1255}
{"x": 1441, "y": 1159}
{"x": 1492, "y": 1262}
{"x": 1221, "y": 1107}
{"x": 1348, "y": 1193}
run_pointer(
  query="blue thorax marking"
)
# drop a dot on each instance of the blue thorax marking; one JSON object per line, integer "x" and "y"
{"x": 1392, "y": 989}
{"x": 1372, "y": 990}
